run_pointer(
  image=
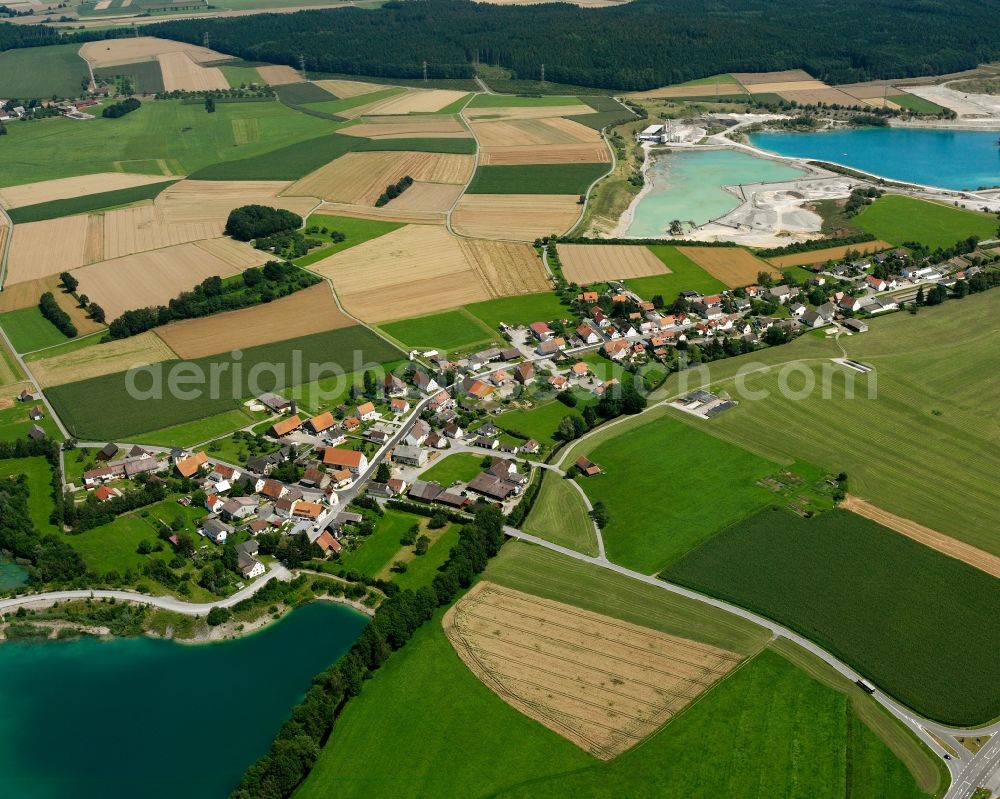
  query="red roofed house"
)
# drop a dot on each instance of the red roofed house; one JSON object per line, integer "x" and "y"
{"x": 354, "y": 462}
{"x": 366, "y": 412}
{"x": 328, "y": 543}
{"x": 286, "y": 426}
{"x": 588, "y": 467}
{"x": 541, "y": 331}
{"x": 320, "y": 423}
{"x": 104, "y": 493}
{"x": 190, "y": 466}
{"x": 399, "y": 406}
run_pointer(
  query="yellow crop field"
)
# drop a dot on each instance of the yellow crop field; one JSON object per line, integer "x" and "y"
{"x": 237, "y": 254}
{"x": 427, "y": 198}
{"x": 515, "y": 217}
{"x": 345, "y": 89}
{"x": 734, "y": 266}
{"x": 596, "y": 153}
{"x": 602, "y": 683}
{"x": 181, "y": 73}
{"x": 595, "y": 263}
{"x": 756, "y": 79}
{"x": 44, "y": 248}
{"x": 101, "y": 359}
{"x": 420, "y": 101}
{"x": 143, "y": 227}
{"x": 529, "y": 132}
{"x": 387, "y": 212}
{"x": 64, "y": 188}
{"x": 824, "y": 255}
{"x": 417, "y": 269}
{"x": 312, "y": 310}
{"x": 212, "y": 200}
{"x": 111, "y": 52}
{"x": 278, "y": 75}
{"x": 506, "y": 268}
{"x": 824, "y": 94}
{"x": 359, "y": 178}
{"x": 417, "y": 127}
{"x": 149, "y": 278}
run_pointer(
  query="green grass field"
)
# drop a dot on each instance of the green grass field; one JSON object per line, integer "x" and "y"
{"x": 15, "y": 423}
{"x": 181, "y": 136}
{"x": 147, "y": 77}
{"x": 379, "y": 548}
{"x": 446, "y": 331}
{"x": 559, "y": 515}
{"x": 521, "y": 310}
{"x": 460, "y": 467}
{"x": 914, "y": 103}
{"x": 199, "y": 430}
{"x": 302, "y": 93}
{"x": 711, "y": 80}
{"x": 539, "y": 423}
{"x": 241, "y": 75}
{"x": 517, "y": 101}
{"x": 698, "y": 486}
{"x": 917, "y": 623}
{"x": 84, "y": 405}
{"x": 39, "y": 476}
{"x": 87, "y": 202}
{"x": 749, "y": 719}
{"x": 28, "y": 330}
{"x": 422, "y": 570}
{"x": 41, "y": 72}
{"x": 899, "y": 219}
{"x": 462, "y": 146}
{"x": 685, "y": 275}
{"x": 923, "y": 448}
{"x": 357, "y": 231}
{"x": 536, "y": 179}
{"x": 335, "y": 106}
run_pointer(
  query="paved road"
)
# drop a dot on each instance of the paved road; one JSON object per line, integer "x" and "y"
{"x": 277, "y": 571}
{"x": 966, "y": 768}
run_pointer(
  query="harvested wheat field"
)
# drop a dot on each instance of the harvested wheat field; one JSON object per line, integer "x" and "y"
{"x": 420, "y": 101}
{"x": 880, "y": 102}
{"x": 515, "y": 217}
{"x": 64, "y": 188}
{"x": 602, "y": 683}
{"x": 734, "y": 266}
{"x": 359, "y": 178}
{"x": 312, "y": 310}
{"x": 417, "y": 269}
{"x": 149, "y": 278}
{"x": 38, "y": 249}
{"x": 596, "y": 263}
{"x": 437, "y": 198}
{"x": 784, "y": 76}
{"x": 418, "y": 127}
{"x": 101, "y": 359}
{"x": 279, "y": 75}
{"x": 533, "y": 132}
{"x": 143, "y": 227}
{"x": 824, "y": 255}
{"x": 211, "y": 200}
{"x": 526, "y": 112}
{"x": 820, "y": 95}
{"x": 787, "y": 86}
{"x": 958, "y": 550}
{"x": 596, "y": 153}
{"x": 388, "y": 213}
{"x": 180, "y": 73}
{"x": 111, "y": 52}
{"x": 506, "y": 268}
{"x": 237, "y": 254}
{"x": 345, "y": 89}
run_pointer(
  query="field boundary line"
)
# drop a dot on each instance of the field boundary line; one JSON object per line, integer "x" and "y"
{"x": 475, "y": 166}
{"x": 8, "y": 237}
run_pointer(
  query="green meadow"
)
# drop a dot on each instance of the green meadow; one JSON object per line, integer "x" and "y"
{"x": 560, "y": 515}
{"x": 87, "y": 202}
{"x": 917, "y": 623}
{"x": 446, "y": 331}
{"x": 28, "y": 330}
{"x": 459, "y": 467}
{"x": 520, "y": 310}
{"x": 685, "y": 275}
{"x": 41, "y": 72}
{"x": 899, "y": 219}
{"x": 356, "y": 231}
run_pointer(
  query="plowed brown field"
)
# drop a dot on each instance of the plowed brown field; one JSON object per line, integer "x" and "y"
{"x": 101, "y": 359}
{"x": 734, "y": 266}
{"x": 593, "y": 263}
{"x": 505, "y": 268}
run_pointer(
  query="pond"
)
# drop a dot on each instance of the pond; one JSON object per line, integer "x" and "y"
{"x": 951, "y": 159}
{"x": 141, "y": 717}
{"x": 688, "y": 185}
{"x": 11, "y": 575}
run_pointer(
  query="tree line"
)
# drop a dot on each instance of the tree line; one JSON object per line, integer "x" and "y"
{"x": 50, "y": 310}
{"x": 120, "y": 109}
{"x": 639, "y": 45}
{"x": 295, "y": 750}
{"x": 213, "y": 295}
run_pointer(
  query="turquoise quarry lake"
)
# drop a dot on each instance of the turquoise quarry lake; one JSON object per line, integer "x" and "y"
{"x": 155, "y": 719}
{"x": 952, "y": 159}
{"x": 687, "y": 185}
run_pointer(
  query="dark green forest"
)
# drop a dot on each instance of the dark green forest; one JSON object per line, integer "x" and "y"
{"x": 640, "y": 45}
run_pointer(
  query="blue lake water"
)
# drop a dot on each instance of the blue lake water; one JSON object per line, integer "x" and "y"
{"x": 11, "y": 575}
{"x": 687, "y": 185}
{"x": 138, "y": 717}
{"x": 952, "y": 159}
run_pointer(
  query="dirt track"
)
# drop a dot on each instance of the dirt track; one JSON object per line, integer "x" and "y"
{"x": 946, "y": 545}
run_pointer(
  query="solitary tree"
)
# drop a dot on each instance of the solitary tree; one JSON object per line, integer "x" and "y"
{"x": 423, "y": 543}
{"x": 210, "y": 105}
{"x": 69, "y": 282}
{"x": 383, "y": 473}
